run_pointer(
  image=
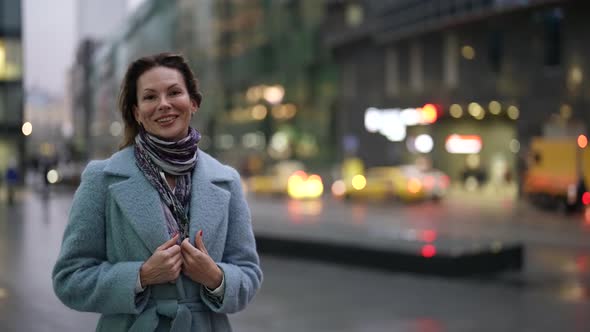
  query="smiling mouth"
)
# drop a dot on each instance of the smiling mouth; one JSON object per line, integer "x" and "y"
{"x": 166, "y": 120}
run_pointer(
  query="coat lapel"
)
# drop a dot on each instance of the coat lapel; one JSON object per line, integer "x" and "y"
{"x": 138, "y": 200}
{"x": 209, "y": 201}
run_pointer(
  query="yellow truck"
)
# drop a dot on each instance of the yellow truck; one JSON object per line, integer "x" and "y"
{"x": 558, "y": 172}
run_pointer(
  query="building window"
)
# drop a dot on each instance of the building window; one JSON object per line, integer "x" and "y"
{"x": 451, "y": 61}
{"x": 553, "y": 41}
{"x": 10, "y": 17}
{"x": 11, "y": 103}
{"x": 392, "y": 81}
{"x": 495, "y": 50}
{"x": 10, "y": 60}
{"x": 354, "y": 14}
{"x": 349, "y": 78}
{"x": 416, "y": 67}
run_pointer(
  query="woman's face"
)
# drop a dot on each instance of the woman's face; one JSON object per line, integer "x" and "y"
{"x": 164, "y": 106}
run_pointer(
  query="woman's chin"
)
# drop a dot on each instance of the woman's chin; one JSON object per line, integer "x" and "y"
{"x": 171, "y": 134}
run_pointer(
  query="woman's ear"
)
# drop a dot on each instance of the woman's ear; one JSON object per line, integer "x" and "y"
{"x": 136, "y": 114}
{"x": 194, "y": 108}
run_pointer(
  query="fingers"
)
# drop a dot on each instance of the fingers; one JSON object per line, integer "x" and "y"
{"x": 169, "y": 243}
{"x": 199, "y": 241}
{"x": 186, "y": 246}
{"x": 177, "y": 266}
{"x": 174, "y": 250}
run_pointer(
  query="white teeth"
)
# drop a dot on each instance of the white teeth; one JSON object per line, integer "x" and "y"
{"x": 167, "y": 119}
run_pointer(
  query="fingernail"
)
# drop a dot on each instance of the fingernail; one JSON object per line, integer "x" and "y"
{"x": 201, "y": 232}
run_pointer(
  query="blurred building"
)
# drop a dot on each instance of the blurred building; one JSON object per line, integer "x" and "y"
{"x": 46, "y": 113}
{"x": 155, "y": 26}
{"x": 263, "y": 72}
{"x": 279, "y": 82}
{"x": 96, "y": 21}
{"x": 459, "y": 82}
{"x": 12, "y": 140}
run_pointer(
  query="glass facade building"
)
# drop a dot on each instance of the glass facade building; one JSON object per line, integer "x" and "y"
{"x": 238, "y": 50}
{"x": 12, "y": 144}
{"x": 498, "y": 72}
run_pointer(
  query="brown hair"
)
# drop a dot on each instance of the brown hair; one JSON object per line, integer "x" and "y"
{"x": 128, "y": 94}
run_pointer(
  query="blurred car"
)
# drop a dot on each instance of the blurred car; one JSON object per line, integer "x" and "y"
{"x": 286, "y": 178}
{"x": 406, "y": 183}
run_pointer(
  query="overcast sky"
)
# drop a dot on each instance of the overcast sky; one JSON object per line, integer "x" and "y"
{"x": 48, "y": 33}
{"x": 49, "y": 41}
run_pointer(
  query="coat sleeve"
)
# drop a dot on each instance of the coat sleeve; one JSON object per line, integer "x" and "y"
{"x": 240, "y": 262}
{"x": 83, "y": 278}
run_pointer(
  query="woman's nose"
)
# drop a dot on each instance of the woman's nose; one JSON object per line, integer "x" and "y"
{"x": 164, "y": 103}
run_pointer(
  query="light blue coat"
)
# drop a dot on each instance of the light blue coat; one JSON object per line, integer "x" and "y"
{"x": 116, "y": 222}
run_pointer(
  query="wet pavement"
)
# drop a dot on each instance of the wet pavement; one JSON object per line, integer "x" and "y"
{"x": 550, "y": 294}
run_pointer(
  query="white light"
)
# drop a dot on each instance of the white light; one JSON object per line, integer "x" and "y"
{"x": 514, "y": 146}
{"x": 116, "y": 128}
{"x": 279, "y": 142}
{"x": 576, "y": 75}
{"x": 27, "y": 128}
{"x": 392, "y": 126}
{"x": 372, "y": 120}
{"x": 513, "y": 112}
{"x": 396, "y": 134}
{"x": 456, "y": 111}
{"x": 495, "y": 107}
{"x": 475, "y": 110}
{"x": 410, "y": 116}
{"x": 253, "y": 140}
{"x": 274, "y": 94}
{"x": 52, "y": 176}
{"x": 225, "y": 141}
{"x": 463, "y": 144}
{"x": 424, "y": 143}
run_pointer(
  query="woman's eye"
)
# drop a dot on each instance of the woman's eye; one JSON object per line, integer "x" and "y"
{"x": 175, "y": 93}
{"x": 148, "y": 97}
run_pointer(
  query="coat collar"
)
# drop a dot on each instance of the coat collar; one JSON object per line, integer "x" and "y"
{"x": 141, "y": 203}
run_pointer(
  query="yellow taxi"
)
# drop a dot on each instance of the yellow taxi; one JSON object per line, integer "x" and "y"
{"x": 286, "y": 178}
{"x": 406, "y": 183}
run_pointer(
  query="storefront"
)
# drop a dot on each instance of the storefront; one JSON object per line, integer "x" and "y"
{"x": 474, "y": 143}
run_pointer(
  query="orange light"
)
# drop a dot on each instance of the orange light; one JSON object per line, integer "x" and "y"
{"x": 414, "y": 186}
{"x": 586, "y": 198}
{"x": 582, "y": 141}
{"x": 429, "y": 113}
{"x": 338, "y": 188}
{"x": 428, "y": 251}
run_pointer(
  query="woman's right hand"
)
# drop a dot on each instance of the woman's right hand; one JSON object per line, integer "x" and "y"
{"x": 163, "y": 266}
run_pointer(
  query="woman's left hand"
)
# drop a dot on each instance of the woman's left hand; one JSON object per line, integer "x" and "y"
{"x": 198, "y": 265}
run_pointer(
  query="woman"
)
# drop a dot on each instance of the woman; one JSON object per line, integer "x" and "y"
{"x": 159, "y": 236}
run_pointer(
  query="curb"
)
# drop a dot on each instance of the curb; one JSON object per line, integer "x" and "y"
{"x": 478, "y": 263}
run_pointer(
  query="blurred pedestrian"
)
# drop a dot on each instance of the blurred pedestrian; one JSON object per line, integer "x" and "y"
{"x": 44, "y": 168}
{"x": 11, "y": 179}
{"x": 159, "y": 235}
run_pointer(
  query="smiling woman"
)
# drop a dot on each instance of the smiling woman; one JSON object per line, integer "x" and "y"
{"x": 160, "y": 236}
{"x": 164, "y": 107}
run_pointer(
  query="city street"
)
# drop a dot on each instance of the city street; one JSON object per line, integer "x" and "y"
{"x": 550, "y": 294}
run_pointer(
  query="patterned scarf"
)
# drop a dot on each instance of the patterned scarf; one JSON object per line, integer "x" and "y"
{"x": 155, "y": 155}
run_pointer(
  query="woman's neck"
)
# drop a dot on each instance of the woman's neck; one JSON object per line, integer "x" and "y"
{"x": 171, "y": 181}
